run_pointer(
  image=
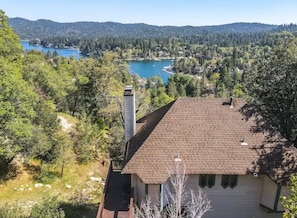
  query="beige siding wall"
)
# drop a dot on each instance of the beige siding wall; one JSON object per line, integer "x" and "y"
{"x": 241, "y": 202}
{"x": 139, "y": 189}
{"x": 134, "y": 178}
{"x": 285, "y": 191}
{"x": 268, "y": 193}
{"x": 154, "y": 193}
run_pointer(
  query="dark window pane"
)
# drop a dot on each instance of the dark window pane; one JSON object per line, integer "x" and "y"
{"x": 225, "y": 181}
{"x": 211, "y": 180}
{"x": 202, "y": 180}
{"x": 233, "y": 181}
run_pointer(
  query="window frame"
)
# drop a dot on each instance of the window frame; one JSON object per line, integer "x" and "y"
{"x": 208, "y": 180}
{"x": 229, "y": 181}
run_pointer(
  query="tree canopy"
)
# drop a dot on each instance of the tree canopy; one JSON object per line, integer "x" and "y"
{"x": 273, "y": 88}
{"x": 17, "y": 99}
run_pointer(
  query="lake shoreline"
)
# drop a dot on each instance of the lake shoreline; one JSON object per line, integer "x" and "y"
{"x": 145, "y": 68}
{"x": 149, "y": 59}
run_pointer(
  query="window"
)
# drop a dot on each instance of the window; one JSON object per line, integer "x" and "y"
{"x": 207, "y": 180}
{"x": 225, "y": 181}
{"x": 229, "y": 180}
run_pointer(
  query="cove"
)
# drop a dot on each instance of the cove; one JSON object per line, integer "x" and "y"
{"x": 149, "y": 68}
{"x": 62, "y": 52}
{"x": 144, "y": 68}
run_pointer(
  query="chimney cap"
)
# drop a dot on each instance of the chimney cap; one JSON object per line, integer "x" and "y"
{"x": 129, "y": 91}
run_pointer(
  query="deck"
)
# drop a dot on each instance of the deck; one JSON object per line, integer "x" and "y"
{"x": 116, "y": 201}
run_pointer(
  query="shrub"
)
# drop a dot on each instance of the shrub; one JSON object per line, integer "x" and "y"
{"x": 49, "y": 208}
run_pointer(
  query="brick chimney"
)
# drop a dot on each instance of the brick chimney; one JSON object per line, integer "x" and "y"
{"x": 130, "y": 117}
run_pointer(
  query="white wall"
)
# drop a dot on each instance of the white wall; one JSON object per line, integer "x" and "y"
{"x": 285, "y": 191}
{"x": 139, "y": 189}
{"x": 154, "y": 193}
{"x": 269, "y": 191}
{"x": 243, "y": 201}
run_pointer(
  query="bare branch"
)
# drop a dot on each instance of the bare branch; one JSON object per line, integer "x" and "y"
{"x": 198, "y": 204}
{"x": 147, "y": 210}
{"x": 181, "y": 202}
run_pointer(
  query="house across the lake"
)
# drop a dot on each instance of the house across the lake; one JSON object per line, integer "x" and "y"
{"x": 242, "y": 170}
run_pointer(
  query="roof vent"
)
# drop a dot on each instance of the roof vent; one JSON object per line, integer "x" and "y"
{"x": 243, "y": 142}
{"x": 177, "y": 158}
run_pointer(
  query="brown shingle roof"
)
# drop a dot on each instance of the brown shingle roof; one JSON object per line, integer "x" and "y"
{"x": 205, "y": 133}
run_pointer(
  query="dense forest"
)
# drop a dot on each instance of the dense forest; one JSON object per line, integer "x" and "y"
{"x": 217, "y": 58}
{"x": 27, "y": 29}
{"x": 38, "y": 90}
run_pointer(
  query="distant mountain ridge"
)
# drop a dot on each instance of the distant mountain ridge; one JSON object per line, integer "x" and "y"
{"x": 28, "y": 29}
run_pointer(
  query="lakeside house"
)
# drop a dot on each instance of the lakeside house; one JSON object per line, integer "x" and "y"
{"x": 242, "y": 171}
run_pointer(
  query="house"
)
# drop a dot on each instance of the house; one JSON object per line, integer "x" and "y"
{"x": 241, "y": 171}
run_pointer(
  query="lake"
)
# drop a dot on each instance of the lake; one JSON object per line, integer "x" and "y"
{"x": 149, "y": 68}
{"x": 144, "y": 69}
{"x": 62, "y": 52}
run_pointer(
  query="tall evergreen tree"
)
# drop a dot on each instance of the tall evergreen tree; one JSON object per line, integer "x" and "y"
{"x": 273, "y": 88}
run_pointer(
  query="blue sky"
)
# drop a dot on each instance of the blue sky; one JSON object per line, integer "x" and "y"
{"x": 156, "y": 12}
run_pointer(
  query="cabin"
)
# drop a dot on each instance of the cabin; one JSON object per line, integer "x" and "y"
{"x": 238, "y": 166}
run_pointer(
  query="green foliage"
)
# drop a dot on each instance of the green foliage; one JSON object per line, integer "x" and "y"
{"x": 10, "y": 46}
{"x": 47, "y": 174}
{"x": 45, "y": 145}
{"x": 49, "y": 208}
{"x": 12, "y": 210}
{"x": 51, "y": 80}
{"x": 181, "y": 85}
{"x": 273, "y": 88}
{"x": 89, "y": 140}
{"x": 156, "y": 90}
{"x": 116, "y": 149}
{"x": 289, "y": 203}
{"x": 17, "y": 100}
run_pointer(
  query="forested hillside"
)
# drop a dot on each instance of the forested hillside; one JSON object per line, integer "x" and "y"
{"x": 27, "y": 29}
{"x": 60, "y": 118}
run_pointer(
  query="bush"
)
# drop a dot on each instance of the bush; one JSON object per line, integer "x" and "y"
{"x": 11, "y": 210}
{"x": 47, "y": 174}
{"x": 49, "y": 208}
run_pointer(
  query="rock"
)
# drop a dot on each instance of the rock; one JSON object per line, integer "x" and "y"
{"x": 68, "y": 186}
{"x": 95, "y": 179}
{"x": 64, "y": 123}
{"x": 30, "y": 189}
{"x": 38, "y": 185}
{"x": 48, "y": 186}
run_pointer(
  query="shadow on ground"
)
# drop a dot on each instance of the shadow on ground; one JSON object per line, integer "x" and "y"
{"x": 80, "y": 211}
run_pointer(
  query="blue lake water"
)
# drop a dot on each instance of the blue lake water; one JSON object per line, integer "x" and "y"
{"x": 144, "y": 69}
{"x": 149, "y": 68}
{"x": 62, "y": 52}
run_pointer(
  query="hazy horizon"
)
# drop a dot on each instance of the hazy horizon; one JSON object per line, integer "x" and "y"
{"x": 152, "y": 24}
